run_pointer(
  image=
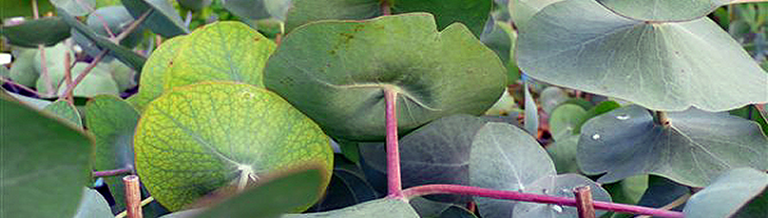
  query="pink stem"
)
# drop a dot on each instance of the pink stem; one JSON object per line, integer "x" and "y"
{"x": 112, "y": 172}
{"x": 529, "y": 197}
{"x": 393, "y": 154}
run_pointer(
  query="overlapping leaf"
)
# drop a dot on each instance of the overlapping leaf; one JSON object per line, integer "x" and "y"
{"x": 663, "y": 10}
{"x": 199, "y": 138}
{"x": 44, "y": 163}
{"x": 44, "y": 31}
{"x": 154, "y": 71}
{"x": 737, "y": 193}
{"x": 335, "y": 71}
{"x": 694, "y": 148}
{"x": 661, "y": 66}
{"x": 163, "y": 20}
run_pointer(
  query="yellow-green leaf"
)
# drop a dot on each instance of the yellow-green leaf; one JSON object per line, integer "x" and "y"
{"x": 199, "y": 138}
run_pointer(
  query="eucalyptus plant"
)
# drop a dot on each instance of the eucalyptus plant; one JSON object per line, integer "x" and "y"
{"x": 384, "y": 108}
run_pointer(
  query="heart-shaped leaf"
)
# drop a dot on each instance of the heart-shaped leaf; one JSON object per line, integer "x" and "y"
{"x": 663, "y": 10}
{"x": 472, "y": 13}
{"x": 394, "y": 208}
{"x": 693, "y": 148}
{"x": 65, "y": 111}
{"x": 123, "y": 54}
{"x": 44, "y": 163}
{"x": 335, "y": 71}
{"x": 504, "y": 157}
{"x": 157, "y": 66}
{"x": 164, "y": 20}
{"x": 661, "y": 66}
{"x": 557, "y": 185}
{"x": 227, "y": 51}
{"x": 112, "y": 122}
{"x": 730, "y": 194}
{"x": 199, "y": 138}
{"x": 44, "y": 31}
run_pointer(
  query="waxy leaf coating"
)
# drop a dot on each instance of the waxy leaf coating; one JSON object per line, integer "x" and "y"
{"x": 694, "y": 148}
{"x": 336, "y": 71}
{"x": 663, "y": 10}
{"x": 199, "y": 138}
{"x": 582, "y": 45}
{"x": 729, "y": 194}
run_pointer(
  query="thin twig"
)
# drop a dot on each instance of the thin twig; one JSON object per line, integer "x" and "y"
{"x": 584, "y": 202}
{"x": 132, "y": 196}
{"x": 115, "y": 172}
{"x": 85, "y": 72}
{"x": 25, "y": 88}
{"x": 530, "y": 197}
{"x": 143, "y": 203}
{"x": 677, "y": 202}
{"x": 135, "y": 24}
{"x": 41, "y": 49}
{"x": 67, "y": 77}
{"x": 385, "y": 8}
{"x": 394, "y": 185}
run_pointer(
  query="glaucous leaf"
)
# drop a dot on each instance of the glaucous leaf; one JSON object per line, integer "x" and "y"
{"x": 222, "y": 51}
{"x": 23, "y": 69}
{"x": 116, "y": 19}
{"x": 563, "y": 153}
{"x": 728, "y": 193}
{"x": 661, "y": 66}
{"x": 561, "y": 186}
{"x": 44, "y": 165}
{"x": 692, "y": 149}
{"x": 504, "y": 157}
{"x": 97, "y": 82}
{"x": 196, "y": 139}
{"x": 336, "y": 71}
{"x": 565, "y": 121}
{"x": 436, "y": 153}
{"x": 384, "y": 207}
{"x": 75, "y": 7}
{"x": 164, "y": 20}
{"x": 44, "y": 31}
{"x": 663, "y": 10}
{"x": 112, "y": 122}
{"x": 66, "y": 111}
{"x": 523, "y": 10}
{"x": 662, "y": 191}
{"x": 531, "y": 118}
{"x": 54, "y": 62}
{"x": 551, "y": 97}
{"x": 93, "y": 205}
{"x": 347, "y": 188}
{"x": 629, "y": 190}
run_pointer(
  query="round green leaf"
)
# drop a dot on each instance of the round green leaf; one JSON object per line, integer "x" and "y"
{"x": 112, "y": 122}
{"x": 44, "y": 31}
{"x": 661, "y": 66}
{"x": 97, "y": 82}
{"x": 563, "y": 154}
{"x": 565, "y": 120}
{"x": 551, "y": 97}
{"x": 44, "y": 163}
{"x": 335, "y": 71}
{"x": 127, "y": 56}
{"x": 198, "y": 138}
{"x": 695, "y": 147}
{"x": 223, "y": 51}
{"x": 663, "y": 10}
{"x": 157, "y": 65}
{"x": 386, "y": 207}
{"x": 561, "y": 186}
{"x": 504, "y": 157}
{"x": 163, "y": 20}
{"x": 728, "y": 193}
{"x": 65, "y": 111}
{"x": 23, "y": 71}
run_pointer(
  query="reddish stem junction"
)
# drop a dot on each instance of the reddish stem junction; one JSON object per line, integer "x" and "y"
{"x": 396, "y": 192}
